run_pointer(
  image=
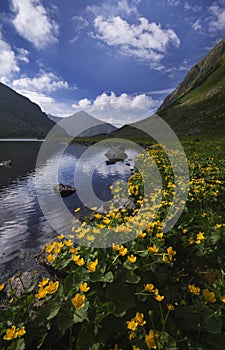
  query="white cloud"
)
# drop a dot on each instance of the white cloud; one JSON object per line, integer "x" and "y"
{"x": 22, "y": 55}
{"x": 33, "y": 23}
{"x": 48, "y": 104}
{"x": 47, "y": 82}
{"x": 121, "y": 109}
{"x": 146, "y": 41}
{"x": 197, "y": 25}
{"x": 173, "y": 2}
{"x": 217, "y": 22}
{"x": 115, "y": 8}
{"x": 8, "y": 61}
{"x": 191, "y": 7}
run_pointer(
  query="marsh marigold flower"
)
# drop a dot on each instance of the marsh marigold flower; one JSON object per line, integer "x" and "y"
{"x": 193, "y": 289}
{"x": 150, "y": 340}
{"x": 139, "y": 318}
{"x": 92, "y": 265}
{"x": 149, "y": 287}
{"x": 13, "y": 333}
{"x": 209, "y": 296}
{"x": 84, "y": 288}
{"x": 132, "y": 258}
{"x": 132, "y": 325}
{"x": 78, "y": 301}
{"x": 2, "y": 286}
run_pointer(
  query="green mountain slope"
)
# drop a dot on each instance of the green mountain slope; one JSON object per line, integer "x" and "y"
{"x": 197, "y": 106}
{"x": 19, "y": 117}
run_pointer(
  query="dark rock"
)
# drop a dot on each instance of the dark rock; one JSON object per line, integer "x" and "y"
{"x": 64, "y": 190}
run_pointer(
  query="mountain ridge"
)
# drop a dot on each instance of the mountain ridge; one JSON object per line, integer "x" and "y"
{"x": 20, "y": 117}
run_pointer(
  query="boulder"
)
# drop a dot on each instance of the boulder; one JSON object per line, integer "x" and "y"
{"x": 64, "y": 190}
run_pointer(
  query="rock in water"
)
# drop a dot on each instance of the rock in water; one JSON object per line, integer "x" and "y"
{"x": 64, "y": 190}
{"x": 6, "y": 163}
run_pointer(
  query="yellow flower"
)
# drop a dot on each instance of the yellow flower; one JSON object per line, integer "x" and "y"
{"x": 171, "y": 253}
{"x": 209, "y": 296}
{"x": 159, "y": 235}
{"x": 60, "y": 237}
{"x": 49, "y": 247}
{"x": 170, "y": 307}
{"x": 51, "y": 257}
{"x": 98, "y": 215}
{"x": 149, "y": 287}
{"x": 90, "y": 238}
{"x": 139, "y": 318}
{"x": 84, "y": 288}
{"x": 135, "y": 347}
{"x": 68, "y": 243}
{"x": 73, "y": 250}
{"x": 184, "y": 230}
{"x": 78, "y": 301}
{"x": 193, "y": 289}
{"x": 80, "y": 262}
{"x": 20, "y": 332}
{"x": 200, "y": 237}
{"x": 41, "y": 293}
{"x": 76, "y": 210}
{"x": 52, "y": 287}
{"x": 106, "y": 221}
{"x": 2, "y": 286}
{"x": 153, "y": 249}
{"x": 75, "y": 258}
{"x": 165, "y": 259}
{"x": 43, "y": 282}
{"x": 159, "y": 297}
{"x": 115, "y": 247}
{"x": 150, "y": 340}
{"x": 122, "y": 251}
{"x": 132, "y": 325}
{"x": 10, "y": 333}
{"x": 132, "y": 258}
{"x": 92, "y": 265}
{"x": 223, "y": 298}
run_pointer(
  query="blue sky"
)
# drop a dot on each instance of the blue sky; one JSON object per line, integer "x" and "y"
{"x": 120, "y": 56}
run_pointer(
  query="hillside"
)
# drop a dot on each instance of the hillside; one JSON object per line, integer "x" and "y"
{"x": 84, "y": 121}
{"x": 197, "y": 106}
{"x": 19, "y": 117}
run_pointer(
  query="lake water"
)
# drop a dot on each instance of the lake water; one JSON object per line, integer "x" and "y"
{"x": 23, "y": 226}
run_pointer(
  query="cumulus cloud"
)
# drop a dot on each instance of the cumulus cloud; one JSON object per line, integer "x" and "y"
{"x": 33, "y": 23}
{"x": 146, "y": 41}
{"x": 173, "y": 2}
{"x": 217, "y": 21}
{"x": 197, "y": 25}
{"x": 8, "y": 60}
{"x": 120, "y": 109}
{"x": 47, "y": 82}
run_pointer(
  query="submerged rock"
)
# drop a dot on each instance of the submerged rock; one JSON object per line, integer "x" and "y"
{"x": 64, "y": 190}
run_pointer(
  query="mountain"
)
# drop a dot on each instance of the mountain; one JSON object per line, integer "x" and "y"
{"x": 84, "y": 122}
{"x": 197, "y": 106}
{"x": 19, "y": 117}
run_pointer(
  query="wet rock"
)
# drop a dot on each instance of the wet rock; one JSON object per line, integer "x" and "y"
{"x": 64, "y": 190}
{"x": 5, "y": 163}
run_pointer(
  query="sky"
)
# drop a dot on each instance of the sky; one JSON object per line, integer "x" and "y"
{"x": 116, "y": 59}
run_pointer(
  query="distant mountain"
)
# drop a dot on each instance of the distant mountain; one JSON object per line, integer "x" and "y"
{"x": 197, "y": 106}
{"x": 89, "y": 125}
{"x": 19, "y": 117}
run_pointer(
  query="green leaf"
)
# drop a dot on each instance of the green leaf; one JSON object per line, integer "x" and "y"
{"x": 85, "y": 338}
{"x": 130, "y": 277}
{"x": 98, "y": 277}
{"x": 103, "y": 311}
{"x": 50, "y": 310}
{"x": 121, "y": 296}
{"x": 81, "y": 315}
{"x": 21, "y": 344}
{"x": 213, "y": 325}
{"x": 217, "y": 341}
{"x": 65, "y": 319}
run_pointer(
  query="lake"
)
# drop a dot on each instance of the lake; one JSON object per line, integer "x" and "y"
{"x": 24, "y": 185}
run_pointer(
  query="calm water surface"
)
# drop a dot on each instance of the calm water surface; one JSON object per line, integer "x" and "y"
{"x": 23, "y": 227}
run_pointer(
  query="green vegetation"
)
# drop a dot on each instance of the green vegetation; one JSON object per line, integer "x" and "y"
{"x": 157, "y": 291}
